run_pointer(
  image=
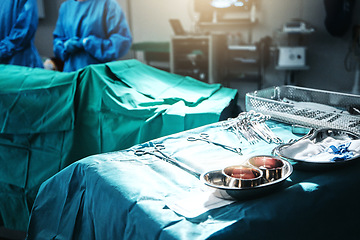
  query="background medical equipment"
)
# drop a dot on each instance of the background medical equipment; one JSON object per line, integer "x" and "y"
{"x": 292, "y": 56}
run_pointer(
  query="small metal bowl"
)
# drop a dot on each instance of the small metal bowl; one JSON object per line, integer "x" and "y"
{"x": 272, "y": 167}
{"x": 243, "y": 176}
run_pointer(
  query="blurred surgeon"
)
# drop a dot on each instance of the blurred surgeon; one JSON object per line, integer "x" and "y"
{"x": 89, "y": 32}
{"x": 18, "y": 25}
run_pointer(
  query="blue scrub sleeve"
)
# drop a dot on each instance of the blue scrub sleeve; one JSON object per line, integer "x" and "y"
{"x": 60, "y": 39}
{"x": 117, "y": 44}
{"x": 22, "y": 32}
{"x": 59, "y": 49}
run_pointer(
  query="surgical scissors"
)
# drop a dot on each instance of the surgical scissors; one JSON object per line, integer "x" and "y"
{"x": 205, "y": 137}
{"x": 157, "y": 148}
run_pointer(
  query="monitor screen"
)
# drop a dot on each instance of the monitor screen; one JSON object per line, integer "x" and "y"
{"x": 222, "y": 8}
{"x": 222, "y": 5}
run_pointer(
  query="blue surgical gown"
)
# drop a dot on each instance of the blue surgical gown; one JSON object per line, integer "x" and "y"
{"x": 99, "y": 24}
{"x": 18, "y": 25}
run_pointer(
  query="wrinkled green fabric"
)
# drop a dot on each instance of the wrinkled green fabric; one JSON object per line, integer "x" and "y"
{"x": 50, "y": 119}
{"x": 37, "y": 120}
{"x": 35, "y": 100}
{"x": 126, "y": 103}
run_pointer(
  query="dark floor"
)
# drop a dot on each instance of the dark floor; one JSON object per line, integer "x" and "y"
{"x": 6, "y": 234}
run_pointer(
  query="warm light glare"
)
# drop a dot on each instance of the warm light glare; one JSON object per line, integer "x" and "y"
{"x": 238, "y": 4}
{"x": 226, "y": 3}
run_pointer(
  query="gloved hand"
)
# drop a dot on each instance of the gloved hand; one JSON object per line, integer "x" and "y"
{"x": 73, "y": 45}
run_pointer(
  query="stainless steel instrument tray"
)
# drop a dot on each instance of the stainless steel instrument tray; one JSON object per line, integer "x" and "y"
{"x": 307, "y": 107}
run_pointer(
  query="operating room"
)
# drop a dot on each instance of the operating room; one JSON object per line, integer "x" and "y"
{"x": 325, "y": 51}
{"x": 128, "y": 126}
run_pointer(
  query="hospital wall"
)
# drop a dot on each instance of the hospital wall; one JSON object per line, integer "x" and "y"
{"x": 149, "y": 22}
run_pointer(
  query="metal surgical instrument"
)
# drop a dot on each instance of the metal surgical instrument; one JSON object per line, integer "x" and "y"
{"x": 251, "y": 125}
{"x": 157, "y": 152}
{"x": 205, "y": 137}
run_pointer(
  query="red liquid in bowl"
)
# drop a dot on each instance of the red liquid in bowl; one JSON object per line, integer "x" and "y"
{"x": 243, "y": 173}
{"x": 266, "y": 162}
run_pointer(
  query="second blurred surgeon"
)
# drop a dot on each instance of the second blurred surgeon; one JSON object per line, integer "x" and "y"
{"x": 89, "y": 32}
{"x": 18, "y": 25}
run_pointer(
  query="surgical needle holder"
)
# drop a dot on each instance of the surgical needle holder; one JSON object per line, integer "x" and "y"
{"x": 157, "y": 148}
{"x": 205, "y": 137}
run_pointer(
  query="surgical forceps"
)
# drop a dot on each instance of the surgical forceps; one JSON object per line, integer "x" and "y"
{"x": 157, "y": 148}
{"x": 205, "y": 137}
{"x": 257, "y": 122}
{"x": 241, "y": 127}
{"x": 252, "y": 127}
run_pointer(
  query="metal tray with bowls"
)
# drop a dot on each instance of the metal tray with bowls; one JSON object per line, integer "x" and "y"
{"x": 317, "y": 136}
{"x": 218, "y": 181}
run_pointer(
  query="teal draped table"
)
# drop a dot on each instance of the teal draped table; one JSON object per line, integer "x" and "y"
{"x": 49, "y": 120}
{"x": 118, "y": 195}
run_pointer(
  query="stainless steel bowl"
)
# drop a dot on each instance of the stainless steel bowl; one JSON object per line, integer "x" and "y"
{"x": 271, "y": 166}
{"x": 243, "y": 176}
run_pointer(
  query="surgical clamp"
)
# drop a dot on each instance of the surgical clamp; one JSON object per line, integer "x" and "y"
{"x": 157, "y": 148}
{"x": 205, "y": 137}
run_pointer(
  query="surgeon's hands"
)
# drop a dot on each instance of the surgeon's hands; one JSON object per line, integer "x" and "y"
{"x": 73, "y": 45}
